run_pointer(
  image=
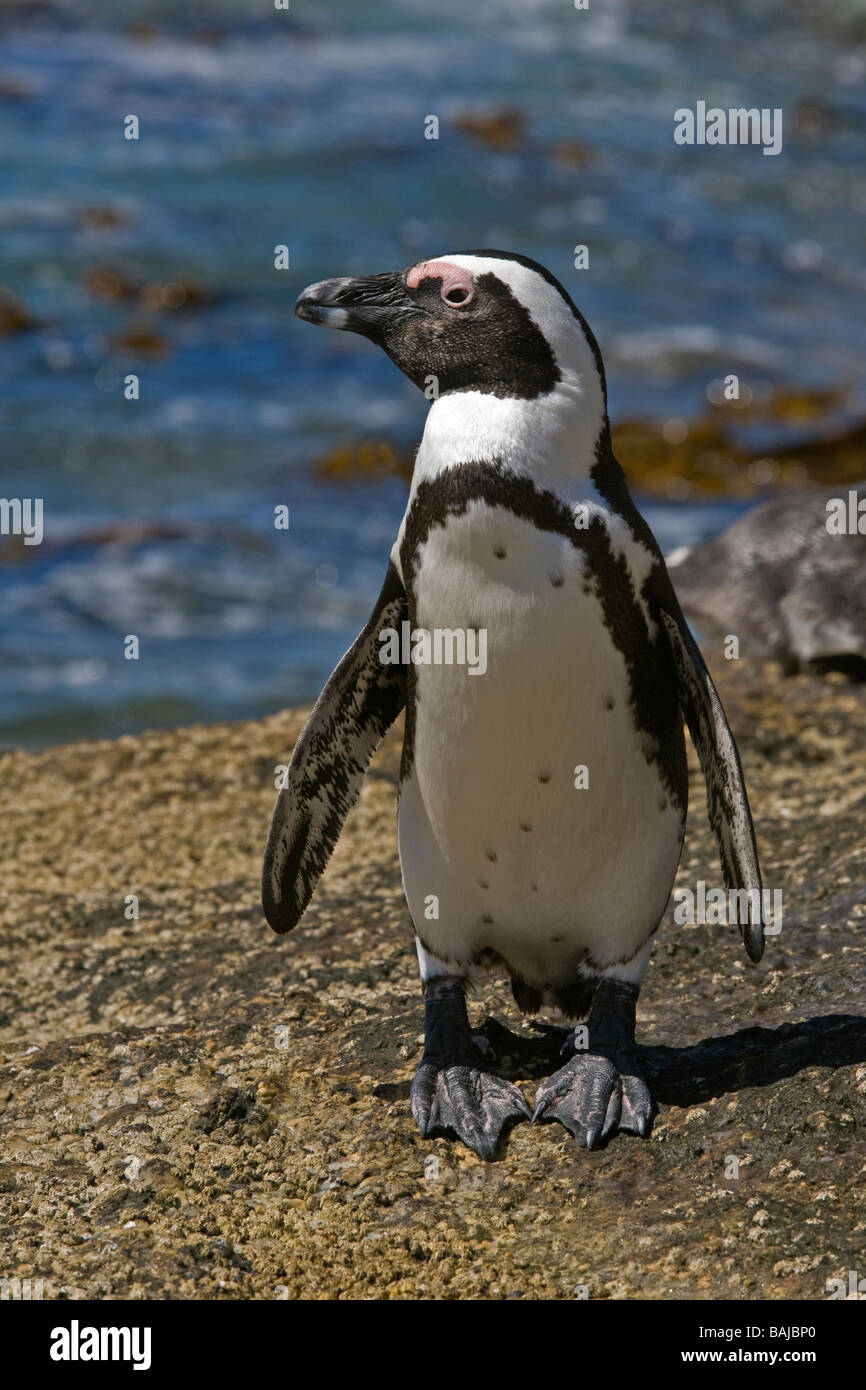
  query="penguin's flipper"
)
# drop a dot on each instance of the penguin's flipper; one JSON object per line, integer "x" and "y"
{"x": 358, "y": 705}
{"x": 727, "y": 802}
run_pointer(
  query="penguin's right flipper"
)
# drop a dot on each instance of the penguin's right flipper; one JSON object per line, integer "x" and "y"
{"x": 358, "y": 705}
{"x": 727, "y": 802}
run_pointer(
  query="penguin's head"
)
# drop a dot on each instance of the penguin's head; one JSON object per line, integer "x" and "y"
{"x": 485, "y": 321}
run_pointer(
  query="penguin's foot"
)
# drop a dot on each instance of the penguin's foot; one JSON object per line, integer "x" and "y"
{"x": 453, "y": 1089}
{"x": 592, "y": 1095}
{"x": 601, "y": 1089}
{"x": 464, "y": 1100}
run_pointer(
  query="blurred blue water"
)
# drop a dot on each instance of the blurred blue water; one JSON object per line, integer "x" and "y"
{"x": 306, "y": 128}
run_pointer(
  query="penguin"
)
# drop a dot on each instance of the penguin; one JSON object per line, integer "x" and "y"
{"x": 789, "y": 579}
{"x": 542, "y": 802}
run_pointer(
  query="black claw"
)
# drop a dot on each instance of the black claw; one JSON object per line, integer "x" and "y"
{"x": 454, "y": 1090}
{"x": 593, "y": 1097}
{"x": 472, "y": 1104}
{"x": 601, "y": 1090}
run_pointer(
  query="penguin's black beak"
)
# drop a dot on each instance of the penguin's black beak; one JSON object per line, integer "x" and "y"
{"x": 369, "y": 304}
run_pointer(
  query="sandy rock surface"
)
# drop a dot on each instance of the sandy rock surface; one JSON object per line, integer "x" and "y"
{"x": 194, "y": 1108}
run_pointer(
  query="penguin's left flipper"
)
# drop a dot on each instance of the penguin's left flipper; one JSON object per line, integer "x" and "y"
{"x": 602, "y": 1089}
{"x": 727, "y": 802}
{"x": 354, "y": 711}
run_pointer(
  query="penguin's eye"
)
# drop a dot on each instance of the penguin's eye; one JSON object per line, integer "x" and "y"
{"x": 457, "y": 296}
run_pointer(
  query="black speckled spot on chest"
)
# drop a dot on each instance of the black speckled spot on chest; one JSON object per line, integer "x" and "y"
{"x": 653, "y": 698}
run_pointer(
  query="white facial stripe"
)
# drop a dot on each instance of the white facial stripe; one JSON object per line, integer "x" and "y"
{"x": 552, "y": 315}
{"x": 551, "y": 438}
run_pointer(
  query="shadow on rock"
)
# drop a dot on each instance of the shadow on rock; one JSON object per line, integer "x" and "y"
{"x": 753, "y": 1057}
{"x": 686, "y": 1076}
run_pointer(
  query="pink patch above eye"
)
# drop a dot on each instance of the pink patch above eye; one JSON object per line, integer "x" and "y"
{"x": 453, "y": 277}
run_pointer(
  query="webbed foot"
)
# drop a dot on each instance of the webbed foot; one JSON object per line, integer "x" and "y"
{"x": 601, "y": 1089}
{"x": 454, "y": 1090}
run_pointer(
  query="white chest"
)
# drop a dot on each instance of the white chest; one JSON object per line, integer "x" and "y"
{"x": 533, "y": 814}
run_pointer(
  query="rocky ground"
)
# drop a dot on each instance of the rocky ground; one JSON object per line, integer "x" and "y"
{"x": 193, "y": 1108}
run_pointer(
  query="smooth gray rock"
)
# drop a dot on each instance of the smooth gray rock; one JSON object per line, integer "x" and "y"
{"x": 784, "y": 584}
